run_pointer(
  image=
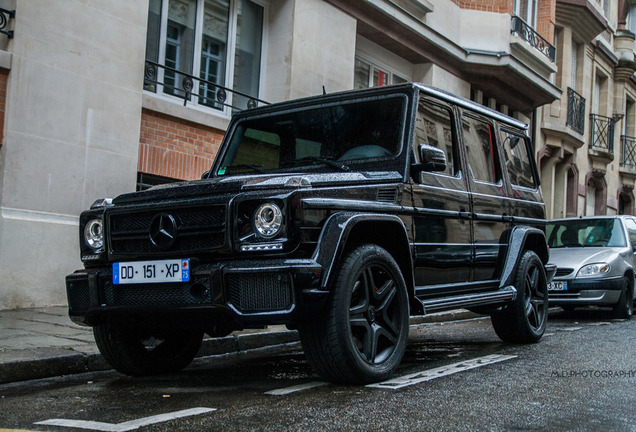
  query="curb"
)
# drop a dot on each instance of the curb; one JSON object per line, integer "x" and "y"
{"x": 38, "y": 363}
{"x": 51, "y": 362}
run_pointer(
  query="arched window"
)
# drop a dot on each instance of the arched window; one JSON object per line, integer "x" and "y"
{"x": 626, "y": 200}
{"x": 596, "y": 195}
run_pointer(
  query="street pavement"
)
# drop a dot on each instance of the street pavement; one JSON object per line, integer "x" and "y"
{"x": 43, "y": 342}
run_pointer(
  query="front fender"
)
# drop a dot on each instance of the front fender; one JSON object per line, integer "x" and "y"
{"x": 338, "y": 230}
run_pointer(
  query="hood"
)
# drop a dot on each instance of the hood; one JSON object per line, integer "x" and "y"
{"x": 578, "y": 257}
{"x": 234, "y": 184}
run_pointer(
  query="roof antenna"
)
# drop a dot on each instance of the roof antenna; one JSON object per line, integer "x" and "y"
{"x": 324, "y": 92}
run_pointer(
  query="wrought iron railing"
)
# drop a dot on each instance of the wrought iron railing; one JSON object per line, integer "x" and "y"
{"x": 576, "y": 111}
{"x": 161, "y": 78}
{"x": 522, "y": 28}
{"x": 628, "y": 152}
{"x": 602, "y": 133}
{"x": 5, "y": 16}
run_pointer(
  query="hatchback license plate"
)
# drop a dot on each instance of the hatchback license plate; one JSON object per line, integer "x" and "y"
{"x": 558, "y": 286}
{"x": 175, "y": 270}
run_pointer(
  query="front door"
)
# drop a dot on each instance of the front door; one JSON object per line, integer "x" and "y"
{"x": 441, "y": 201}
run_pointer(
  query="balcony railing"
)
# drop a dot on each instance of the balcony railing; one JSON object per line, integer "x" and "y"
{"x": 164, "y": 79}
{"x": 576, "y": 111}
{"x": 522, "y": 28}
{"x": 5, "y": 16}
{"x": 602, "y": 133}
{"x": 628, "y": 152}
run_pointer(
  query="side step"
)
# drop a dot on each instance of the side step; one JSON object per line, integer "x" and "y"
{"x": 503, "y": 295}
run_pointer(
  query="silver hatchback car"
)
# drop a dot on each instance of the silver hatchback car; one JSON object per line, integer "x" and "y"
{"x": 595, "y": 262}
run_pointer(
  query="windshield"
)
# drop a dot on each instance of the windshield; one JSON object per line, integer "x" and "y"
{"x": 585, "y": 233}
{"x": 318, "y": 138}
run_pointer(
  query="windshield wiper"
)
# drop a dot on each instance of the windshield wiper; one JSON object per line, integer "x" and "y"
{"x": 253, "y": 167}
{"x": 334, "y": 164}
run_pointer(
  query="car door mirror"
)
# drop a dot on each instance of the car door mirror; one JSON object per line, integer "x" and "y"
{"x": 432, "y": 159}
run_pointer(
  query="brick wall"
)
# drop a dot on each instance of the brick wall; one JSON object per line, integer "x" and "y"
{"x": 546, "y": 18}
{"x": 4, "y": 76}
{"x": 175, "y": 148}
{"x": 497, "y": 6}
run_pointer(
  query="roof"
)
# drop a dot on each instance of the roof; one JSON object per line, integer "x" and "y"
{"x": 397, "y": 88}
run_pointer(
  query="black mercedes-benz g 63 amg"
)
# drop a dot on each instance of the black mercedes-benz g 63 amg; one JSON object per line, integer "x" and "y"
{"x": 339, "y": 215}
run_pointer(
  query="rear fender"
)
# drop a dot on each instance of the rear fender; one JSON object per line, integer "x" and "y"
{"x": 522, "y": 238}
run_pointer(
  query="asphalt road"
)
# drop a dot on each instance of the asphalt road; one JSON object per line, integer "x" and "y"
{"x": 455, "y": 376}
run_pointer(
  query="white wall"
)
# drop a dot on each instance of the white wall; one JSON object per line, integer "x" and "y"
{"x": 71, "y": 134}
{"x": 323, "y": 51}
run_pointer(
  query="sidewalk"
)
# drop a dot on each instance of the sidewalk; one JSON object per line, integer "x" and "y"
{"x": 44, "y": 342}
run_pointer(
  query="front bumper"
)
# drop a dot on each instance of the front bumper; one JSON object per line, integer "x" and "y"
{"x": 241, "y": 294}
{"x": 582, "y": 292}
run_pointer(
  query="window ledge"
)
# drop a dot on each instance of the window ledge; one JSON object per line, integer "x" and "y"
{"x": 5, "y": 59}
{"x": 200, "y": 116}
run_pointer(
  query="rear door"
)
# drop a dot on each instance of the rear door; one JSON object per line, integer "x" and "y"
{"x": 489, "y": 204}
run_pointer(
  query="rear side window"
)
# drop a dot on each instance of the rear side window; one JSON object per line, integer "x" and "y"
{"x": 517, "y": 158}
{"x": 479, "y": 139}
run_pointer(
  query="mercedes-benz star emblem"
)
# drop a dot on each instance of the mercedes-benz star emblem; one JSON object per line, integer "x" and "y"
{"x": 163, "y": 230}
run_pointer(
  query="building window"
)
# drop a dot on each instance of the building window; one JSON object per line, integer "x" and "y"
{"x": 367, "y": 74}
{"x": 596, "y": 194}
{"x": 203, "y": 48}
{"x": 527, "y": 11}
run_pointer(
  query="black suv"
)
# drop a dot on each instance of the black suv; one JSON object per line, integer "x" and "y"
{"x": 340, "y": 216}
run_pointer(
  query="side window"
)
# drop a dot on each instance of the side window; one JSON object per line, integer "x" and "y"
{"x": 435, "y": 128}
{"x": 479, "y": 139}
{"x": 517, "y": 159}
{"x": 631, "y": 229}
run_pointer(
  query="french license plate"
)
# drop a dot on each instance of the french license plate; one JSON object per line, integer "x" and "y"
{"x": 558, "y": 286}
{"x": 175, "y": 270}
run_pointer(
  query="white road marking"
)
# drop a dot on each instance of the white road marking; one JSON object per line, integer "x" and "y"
{"x": 296, "y": 388}
{"x": 125, "y": 426}
{"x": 431, "y": 374}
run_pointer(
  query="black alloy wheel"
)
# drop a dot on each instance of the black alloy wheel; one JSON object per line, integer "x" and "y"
{"x": 139, "y": 352}
{"x": 361, "y": 337}
{"x": 525, "y": 319}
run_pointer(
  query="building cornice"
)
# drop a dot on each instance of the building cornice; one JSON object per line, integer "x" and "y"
{"x": 582, "y": 17}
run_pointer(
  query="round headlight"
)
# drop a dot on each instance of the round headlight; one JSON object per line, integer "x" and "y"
{"x": 94, "y": 234}
{"x": 268, "y": 220}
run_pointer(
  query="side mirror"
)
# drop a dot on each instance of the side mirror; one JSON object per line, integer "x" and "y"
{"x": 433, "y": 159}
{"x": 206, "y": 174}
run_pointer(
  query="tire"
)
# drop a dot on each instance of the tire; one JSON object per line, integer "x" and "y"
{"x": 625, "y": 306}
{"x": 361, "y": 335}
{"x": 524, "y": 320}
{"x": 143, "y": 353}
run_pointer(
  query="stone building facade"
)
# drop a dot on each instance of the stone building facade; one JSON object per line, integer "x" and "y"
{"x": 100, "y": 98}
